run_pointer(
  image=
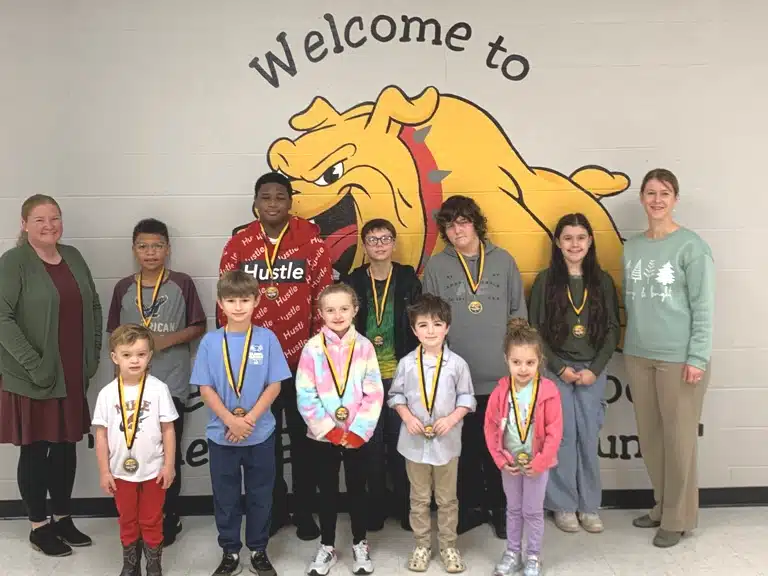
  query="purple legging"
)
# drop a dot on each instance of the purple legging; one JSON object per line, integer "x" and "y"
{"x": 525, "y": 507}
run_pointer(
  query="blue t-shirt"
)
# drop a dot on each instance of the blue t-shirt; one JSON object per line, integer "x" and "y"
{"x": 266, "y": 365}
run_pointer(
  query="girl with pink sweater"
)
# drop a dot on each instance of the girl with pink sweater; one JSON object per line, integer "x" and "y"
{"x": 523, "y": 430}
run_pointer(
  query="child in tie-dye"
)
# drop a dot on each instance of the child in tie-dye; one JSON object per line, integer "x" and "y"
{"x": 340, "y": 394}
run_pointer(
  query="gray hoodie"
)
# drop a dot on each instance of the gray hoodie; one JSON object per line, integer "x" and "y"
{"x": 479, "y": 338}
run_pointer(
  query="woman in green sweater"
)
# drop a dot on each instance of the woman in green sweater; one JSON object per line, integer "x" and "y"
{"x": 50, "y": 338}
{"x": 669, "y": 293}
{"x": 575, "y": 307}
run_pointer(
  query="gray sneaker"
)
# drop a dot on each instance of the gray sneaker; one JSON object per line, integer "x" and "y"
{"x": 532, "y": 566}
{"x": 510, "y": 563}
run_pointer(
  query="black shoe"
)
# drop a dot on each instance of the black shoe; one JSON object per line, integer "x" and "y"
{"x": 405, "y": 524}
{"x": 471, "y": 519}
{"x": 154, "y": 560}
{"x": 229, "y": 566}
{"x": 132, "y": 559}
{"x": 376, "y": 522}
{"x": 306, "y": 528}
{"x": 65, "y": 529}
{"x": 171, "y": 529}
{"x": 499, "y": 523}
{"x": 45, "y": 540}
{"x": 260, "y": 564}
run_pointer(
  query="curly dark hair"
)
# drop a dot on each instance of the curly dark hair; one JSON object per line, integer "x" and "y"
{"x": 461, "y": 206}
{"x": 554, "y": 329}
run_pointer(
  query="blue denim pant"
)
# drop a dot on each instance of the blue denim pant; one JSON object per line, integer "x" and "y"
{"x": 574, "y": 484}
{"x": 229, "y": 466}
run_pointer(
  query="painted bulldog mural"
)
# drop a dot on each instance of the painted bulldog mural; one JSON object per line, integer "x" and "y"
{"x": 400, "y": 157}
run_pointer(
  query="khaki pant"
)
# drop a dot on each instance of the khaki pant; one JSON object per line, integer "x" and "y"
{"x": 667, "y": 410}
{"x": 422, "y": 478}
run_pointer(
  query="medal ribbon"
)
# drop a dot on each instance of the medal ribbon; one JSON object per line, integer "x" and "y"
{"x": 583, "y": 301}
{"x": 271, "y": 258}
{"x": 473, "y": 286}
{"x": 340, "y": 386}
{"x": 139, "y": 300}
{"x": 236, "y": 387}
{"x": 429, "y": 403}
{"x": 380, "y": 309}
{"x": 130, "y": 431}
{"x": 523, "y": 431}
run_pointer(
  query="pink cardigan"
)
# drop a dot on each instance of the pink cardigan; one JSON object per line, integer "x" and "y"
{"x": 547, "y": 423}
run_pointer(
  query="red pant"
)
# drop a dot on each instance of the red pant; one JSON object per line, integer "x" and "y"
{"x": 140, "y": 506}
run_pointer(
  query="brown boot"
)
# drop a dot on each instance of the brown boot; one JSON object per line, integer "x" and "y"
{"x": 132, "y": 559}
{"x": 154, "y": 560}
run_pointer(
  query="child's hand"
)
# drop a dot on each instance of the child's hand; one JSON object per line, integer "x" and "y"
{"x": 166, "y": 477}
{"x": 107, "y": 483}
{"x": 569, "y": 375}
{"x": 528, "y": 471}
{"x": 240, "y": 427}
{"x": 511, "y": 469}
{"x": 414, "y": 425}
{"x": 444, "y": 425}
{"x": 586, "y": 377}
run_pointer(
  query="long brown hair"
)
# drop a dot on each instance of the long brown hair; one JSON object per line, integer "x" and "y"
{"x": 30, "y": 204}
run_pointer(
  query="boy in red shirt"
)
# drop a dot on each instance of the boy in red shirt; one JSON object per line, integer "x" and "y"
{"x": 289, "y": 259}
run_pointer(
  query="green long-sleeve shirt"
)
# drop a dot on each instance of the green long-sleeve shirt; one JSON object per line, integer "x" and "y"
{"x": 29, "y": 323}
{"x": 669, "y": 297}
{"x": 572, "y": 348}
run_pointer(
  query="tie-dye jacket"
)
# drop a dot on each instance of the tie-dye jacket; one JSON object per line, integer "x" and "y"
{"x": 316, "y": 393}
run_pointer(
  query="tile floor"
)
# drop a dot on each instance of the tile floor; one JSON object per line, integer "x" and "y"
{"x": 731, "y": 541}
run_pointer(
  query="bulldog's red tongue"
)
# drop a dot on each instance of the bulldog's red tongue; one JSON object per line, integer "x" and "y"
{"x": 339, "y": 241}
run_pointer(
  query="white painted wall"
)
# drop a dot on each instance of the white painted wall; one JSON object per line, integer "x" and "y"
{"x": 125, "y": 110}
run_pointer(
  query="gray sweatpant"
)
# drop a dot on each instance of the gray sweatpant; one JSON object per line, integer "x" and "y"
{"x": 574, "y": 484}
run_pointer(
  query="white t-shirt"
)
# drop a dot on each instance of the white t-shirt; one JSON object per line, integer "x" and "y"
{"x": 157, "y": 406}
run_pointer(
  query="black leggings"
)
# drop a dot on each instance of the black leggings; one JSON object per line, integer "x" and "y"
{"x": 47, "y": 468}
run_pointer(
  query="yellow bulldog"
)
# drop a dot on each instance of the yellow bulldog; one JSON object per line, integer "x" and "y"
{"x": 399, "y": 158}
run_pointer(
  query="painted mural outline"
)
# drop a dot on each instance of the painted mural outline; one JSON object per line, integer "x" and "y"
{"x": 400, "y": 157}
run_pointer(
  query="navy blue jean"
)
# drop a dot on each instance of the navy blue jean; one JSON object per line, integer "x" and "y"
{"x": 229, "y": 466}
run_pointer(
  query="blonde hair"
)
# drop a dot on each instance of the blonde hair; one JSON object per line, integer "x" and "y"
{"x": 521, "y": 333}
{"x": 30, "y": 204}
{"x": 339, "y": 288}
{"x": 237, "y": 284}
{"x": 128, "y": 335}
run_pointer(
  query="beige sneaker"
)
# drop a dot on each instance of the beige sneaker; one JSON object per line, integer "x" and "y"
{"x": 420, "y": 557}
{"x": 452, "y": 561}
{"x": 567, "y": 521}
{"x": 591, "y": 523}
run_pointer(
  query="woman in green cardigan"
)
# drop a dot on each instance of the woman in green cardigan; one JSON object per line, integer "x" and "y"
{"x": 50, "y": 340}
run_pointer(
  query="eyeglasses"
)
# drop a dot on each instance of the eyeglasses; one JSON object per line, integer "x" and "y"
{"x": 376, "y": 240}
{"x": 155, "y": 247}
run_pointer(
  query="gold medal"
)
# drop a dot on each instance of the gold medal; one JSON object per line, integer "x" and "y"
{"x": 475, "y": 306}
{"x": 140, "y": 300}
{"x": 524, "y": 427}
{"x": 378, "y": 341}
{"x": 272, "y": 292}
{"x": 239, "y": 412}
{"x": 578, "y": 330}
{"x": 428, "y": 399}
{"x": 236, "y": 386}
{"x": 522, "y": 459}
{"x": 341, "y": 413}
{"x": 379, "y": 305}
{"x": 130, "y": 424}
{"x": 130, "y": 465}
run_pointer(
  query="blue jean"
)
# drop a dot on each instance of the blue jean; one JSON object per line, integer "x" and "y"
{"x": 574, "y": 484}
{"x": 229, "y": 466}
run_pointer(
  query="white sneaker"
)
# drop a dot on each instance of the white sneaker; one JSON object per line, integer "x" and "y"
{"x": 511, "y": 562}
{"x": 362, "y": 558}
{"x": 324, "y": 560}
{"x": 532, "y": 566}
